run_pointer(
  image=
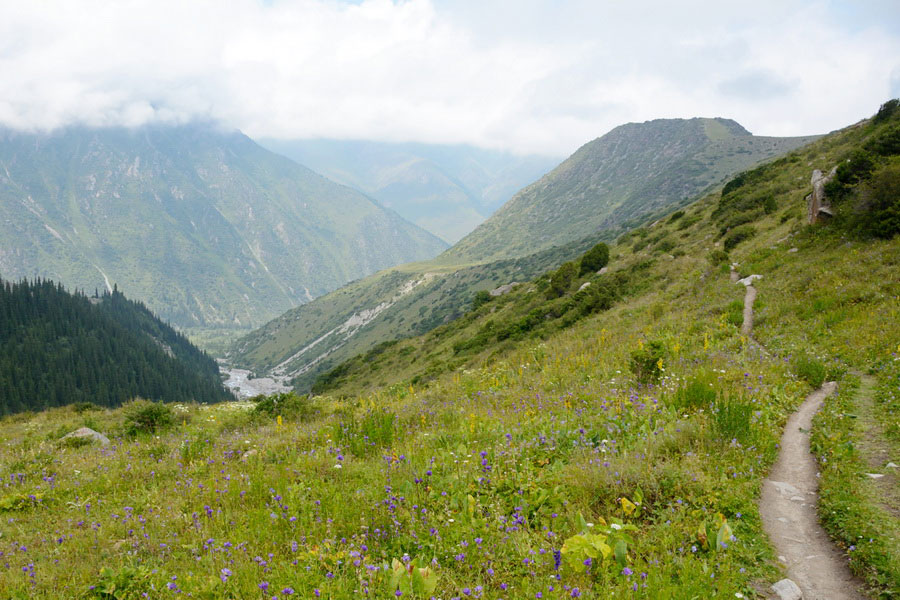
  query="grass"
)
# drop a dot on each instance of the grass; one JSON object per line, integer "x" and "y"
{"x": 490, "y": 470}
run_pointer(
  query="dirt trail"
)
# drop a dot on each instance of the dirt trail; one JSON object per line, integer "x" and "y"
{"x": 789, "y": 498}
{"x": 788, "y": 511}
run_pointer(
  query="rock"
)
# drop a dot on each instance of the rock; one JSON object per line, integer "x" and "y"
{"x": 792, "y": 250}
{"x": 586, "y": 284}
{"x": 749, "y": 279}
{"x": 875, "y": 475}
{"x": 891, "y": 465}
{"x": 503, "y": 289}
{"x": 816, "y": 203}
{"x": 787, "y": 590}
{"x": 603, "y": 271}
{"x": 249, "y": 454}
{"x": 87, "y": 433}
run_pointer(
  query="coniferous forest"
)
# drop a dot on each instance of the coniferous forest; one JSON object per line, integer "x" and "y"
{"x": 58, "y": 348}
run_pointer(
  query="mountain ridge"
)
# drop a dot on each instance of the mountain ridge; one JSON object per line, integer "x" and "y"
{"x": 203, "y": 224}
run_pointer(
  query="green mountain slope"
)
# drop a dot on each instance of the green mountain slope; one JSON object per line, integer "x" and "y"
{"x": 629, "y": 173}
{"x": 400, "y": 302}
{"x": 566, "y": 206}
{"x": 205, "y": 226}
{"x": 609, "y": 453}
{"x": 57, "y": 348}
{"x": 447, "y": 190}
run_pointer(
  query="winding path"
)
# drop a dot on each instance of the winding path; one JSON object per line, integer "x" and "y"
{"x": 789, "y": 497}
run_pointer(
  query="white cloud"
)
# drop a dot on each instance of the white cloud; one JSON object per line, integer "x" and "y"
{"x": 528, "y": 75}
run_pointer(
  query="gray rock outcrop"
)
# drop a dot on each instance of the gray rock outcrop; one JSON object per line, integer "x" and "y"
{"x": 503, "y": 289}
{"x": 816, "y": 202}
{"x": 87, "y": 433}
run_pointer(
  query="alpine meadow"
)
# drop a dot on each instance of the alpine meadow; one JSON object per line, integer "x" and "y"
{"x": 430, "y": 300}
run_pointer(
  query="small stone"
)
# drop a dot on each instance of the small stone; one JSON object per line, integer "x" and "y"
{"x": 787, "y": 590}
{"x": 792, "y": 250}
{"x": 603, "y": 271}
{"x": 584, "y": 285}
{"x": 891, "y": 465}
{"x": 875, "y": 475}
{"x": 249, "y": 454}
{"x": 87, "y": 433}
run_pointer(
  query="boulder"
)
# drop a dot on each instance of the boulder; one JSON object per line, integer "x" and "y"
{"x": 816, "y": 202}
{"x": 584, "y": 285}
{"x": 787, "y": 590}
{"x": 503, "y": 289}
{"x": 87, "y": 433}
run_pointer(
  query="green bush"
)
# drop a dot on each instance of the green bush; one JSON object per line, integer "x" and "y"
{"x": 887, "y": 111}
{"x": 676, "y": 215}
{"x": 809, "y": 369}
{"x": 732, "y": 419}
{"x": 481, "y": 298}
{"x": 699, "y": 392}
{"x": 878, "y": 212}
{"x": 83, "y": 407}
{"x": 738, "y": 235}
{"x": 665, "y": 245}
{"x": 594, "y": 259}
{"x": 143, "y": 416}
{"x": 288, "y": 405}
{"x": 718, "y": 257}
{"x": 561, "y": 280}
{"x": 363, "y": 436}
{"x": 645, "y": 362}
{"x": 887, "y": 142}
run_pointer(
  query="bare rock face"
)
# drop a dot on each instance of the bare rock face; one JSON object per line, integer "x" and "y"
{"x": 816, "y": 202}
{"x": 503, "y": 289}
{"x": 87, "y": 433}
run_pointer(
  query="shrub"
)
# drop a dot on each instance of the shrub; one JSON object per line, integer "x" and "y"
{"x": 696, "y": 393}
{"x": 886, "y": 111}
{"x": 886, "y": 143}
{"x": 561, "y": 280}
{"x": 676, "y": 215}
{"x": 738, "y": 235}
{"x": 83, "y": 407}
{"x": 143, "y": 416}
{"x": 732, "y": 420}
{"x": 646, "y": 363}
{"x": 809, "y": 369}
{"x": 594, "y": 259}
{"x": 718, "y": 257}
{"x": 879, "y": 208}
{"x": 665, "y": 245}
{"x": 481, "y": 298}
{"x": 287, "y": 405}
{"x": 363, "y": 436}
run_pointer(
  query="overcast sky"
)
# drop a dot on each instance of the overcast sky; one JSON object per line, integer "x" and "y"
{"x": 525, "y": 75}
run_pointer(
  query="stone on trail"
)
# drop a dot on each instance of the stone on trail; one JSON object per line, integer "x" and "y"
{"x": 875, "y": 475}
{"x": 87, "y": 432}
{"x": 749, "y": 279}
{"x": 787, "y": 590}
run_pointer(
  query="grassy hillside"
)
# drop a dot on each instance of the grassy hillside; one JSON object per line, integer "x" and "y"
{"x": 636, "y": 171}
{"x": 619, "y": 455}
{"x": 619, "y": 179}
{"x": 205, "y": 226}
{"x": 405, "y": 301}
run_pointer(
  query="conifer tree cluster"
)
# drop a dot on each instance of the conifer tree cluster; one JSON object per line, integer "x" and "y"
{"x": 58, "y": 348}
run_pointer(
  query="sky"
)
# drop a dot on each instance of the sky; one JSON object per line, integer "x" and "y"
{"x": 529, "y": 76}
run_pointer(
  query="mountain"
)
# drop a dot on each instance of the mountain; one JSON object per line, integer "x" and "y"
{"x": 399, "y": 302}
{"x": 447, "y": 190}
{"x": 206, "y": 226}
{"x": 553, "y": 442}
{"x": 618, "y": 179}
{"x": 58, "y": 348}
{"x": 622, "y": 175}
